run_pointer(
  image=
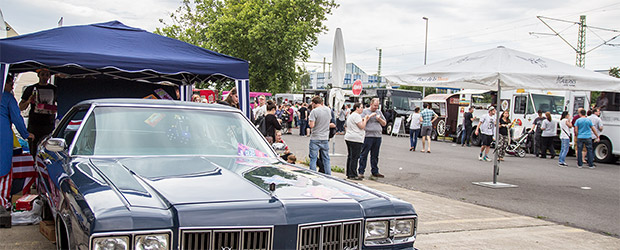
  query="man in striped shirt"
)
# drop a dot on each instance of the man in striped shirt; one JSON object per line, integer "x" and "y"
{"x": 428, "y": 117}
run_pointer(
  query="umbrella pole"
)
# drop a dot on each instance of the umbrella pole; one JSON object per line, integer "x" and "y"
{"x": 496, "y": 184}
{"x": 497, "y": 116}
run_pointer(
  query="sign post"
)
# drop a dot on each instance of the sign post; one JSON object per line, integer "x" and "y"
{"x": 357, "y": 87}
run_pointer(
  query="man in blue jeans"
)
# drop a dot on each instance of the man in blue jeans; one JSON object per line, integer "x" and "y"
{"x": 319, "y": 121}
{"x": 372, "y": 139}
{"x": 584, "y": 129}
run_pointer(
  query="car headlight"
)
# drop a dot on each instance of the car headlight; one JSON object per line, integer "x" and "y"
{"x": 111, "y": 243}
{"x": 404, "y": 228}
{"x": 377, "y": 229}
{"x": 152, "y": 242}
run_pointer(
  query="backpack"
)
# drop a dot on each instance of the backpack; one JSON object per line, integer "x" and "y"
{"x": 261, "y": 125}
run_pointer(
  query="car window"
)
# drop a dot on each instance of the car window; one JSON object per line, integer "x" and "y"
{"x": 168, "y": 131}
{"x": 69, "y": 128}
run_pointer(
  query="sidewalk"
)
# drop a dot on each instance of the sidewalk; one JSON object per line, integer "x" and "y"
{"x": 449, "y": 224}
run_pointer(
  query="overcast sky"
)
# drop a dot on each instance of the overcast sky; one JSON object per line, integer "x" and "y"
{"x": 396, "y": 26}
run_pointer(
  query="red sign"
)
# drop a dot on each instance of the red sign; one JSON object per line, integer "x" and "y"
{"x": 357, "y": 87}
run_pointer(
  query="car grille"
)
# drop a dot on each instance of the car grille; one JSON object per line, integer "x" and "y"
{"x": 233, "y": 239}
{"x": 330, "y": 236}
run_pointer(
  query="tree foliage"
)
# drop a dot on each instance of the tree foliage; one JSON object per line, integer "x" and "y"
{"x": 270, "y": 34}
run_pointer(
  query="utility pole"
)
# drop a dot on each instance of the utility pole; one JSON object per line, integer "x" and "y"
{"x": 581, "y": 38}
{"x": 581, "y": 42}
{"x": 379, "y": 70}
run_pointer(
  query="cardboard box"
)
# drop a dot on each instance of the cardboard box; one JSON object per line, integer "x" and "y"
{"x": 47, "y": 229}
{"x": 25, "y": 202}
{"x": 16, "y": 197}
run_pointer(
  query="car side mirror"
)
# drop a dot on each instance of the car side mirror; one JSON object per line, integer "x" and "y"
{"x": 55, "y": 144}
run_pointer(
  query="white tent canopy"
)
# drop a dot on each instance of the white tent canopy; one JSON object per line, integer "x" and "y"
{"x": 512, "y": 69}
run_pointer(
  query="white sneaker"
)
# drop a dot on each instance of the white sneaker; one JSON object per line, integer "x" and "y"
{"x": 486, "y": 159}
{"x": 480, "y": 158}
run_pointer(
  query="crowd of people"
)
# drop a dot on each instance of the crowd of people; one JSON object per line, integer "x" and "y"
{"x": 581, "y": 132}
{"x": 361, "y": 126}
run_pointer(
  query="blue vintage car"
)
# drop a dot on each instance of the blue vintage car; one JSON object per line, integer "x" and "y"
{"x": 160, "y": 174}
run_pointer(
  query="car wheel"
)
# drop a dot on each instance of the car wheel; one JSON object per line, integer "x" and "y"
{"x": 441, "y": 128}
{"x": 602, "y": 151}
{"x": 434, "y": 135}
{"x": 389, "y": 128}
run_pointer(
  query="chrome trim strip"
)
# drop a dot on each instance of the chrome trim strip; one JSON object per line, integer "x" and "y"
{"x": 131, "y": 235}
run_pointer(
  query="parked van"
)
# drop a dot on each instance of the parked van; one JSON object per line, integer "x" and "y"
{"x": 608, "y": 149}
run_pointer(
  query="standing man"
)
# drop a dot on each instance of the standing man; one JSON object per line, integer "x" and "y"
{"x": 584, "y": 130}
{"x": 41, "y": 97}
{"x": 303, "y": 119}
{"x": 320, "y": 122}
{"x": 372, "y": 139}
{"x": 9, "y": 114}
{"x": 468, "y": 118}
{"x": 595, "y": 118}
{"x": 428, "y": 117}
{"x": 487, "y": 127}
{"x": 538, "y": 132}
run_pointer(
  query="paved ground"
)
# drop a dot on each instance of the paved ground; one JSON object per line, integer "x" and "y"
{"x": 446, "y": 222}
{"x": 545, "y": 190}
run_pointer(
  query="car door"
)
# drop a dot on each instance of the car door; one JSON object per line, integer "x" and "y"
{"x": 53, "y": 166}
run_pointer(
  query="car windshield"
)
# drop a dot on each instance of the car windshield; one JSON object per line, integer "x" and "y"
{"x": 405, "y": 103}
{"x": 549, "y": 103}
{"x": 122, "y": 131}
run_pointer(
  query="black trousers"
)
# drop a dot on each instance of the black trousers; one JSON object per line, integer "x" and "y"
{"x": 354, "y": 150}
{"x": 547, "y": 143}
{"x": 537, "y": 143}
{"x": 467, "y": 136}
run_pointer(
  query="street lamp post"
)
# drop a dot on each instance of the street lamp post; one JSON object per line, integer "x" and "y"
{"x": 425, "y": 48}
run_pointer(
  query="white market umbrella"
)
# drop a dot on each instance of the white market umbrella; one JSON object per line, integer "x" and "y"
{"x": 510, "y": 68}
{"x": 336, "y": 96}
{"x": 499, "y": 68}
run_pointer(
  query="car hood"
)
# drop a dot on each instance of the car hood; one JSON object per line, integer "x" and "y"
{"x": 170, "y": 181}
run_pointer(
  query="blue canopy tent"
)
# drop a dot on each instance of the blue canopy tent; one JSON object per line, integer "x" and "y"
{"x": 116, "y": 50}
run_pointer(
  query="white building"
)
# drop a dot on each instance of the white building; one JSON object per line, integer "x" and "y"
{"x": 319, "y": 80}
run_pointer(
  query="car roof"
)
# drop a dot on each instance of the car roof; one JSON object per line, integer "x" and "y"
{"x": 155, "y": 102}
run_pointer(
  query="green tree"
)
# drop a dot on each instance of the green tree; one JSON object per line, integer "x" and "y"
{"x": 270, "y": 34}
{"x": 429, "y": 90}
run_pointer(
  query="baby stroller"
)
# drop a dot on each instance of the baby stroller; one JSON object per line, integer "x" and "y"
{"x": 516, "y": 147}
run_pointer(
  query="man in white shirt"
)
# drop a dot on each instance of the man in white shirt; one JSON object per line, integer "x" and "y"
{"x": 595, "y": 117}
{"x": 486, "y": 129}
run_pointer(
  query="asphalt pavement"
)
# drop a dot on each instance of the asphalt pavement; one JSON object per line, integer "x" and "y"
{"x": 580, "y": 198}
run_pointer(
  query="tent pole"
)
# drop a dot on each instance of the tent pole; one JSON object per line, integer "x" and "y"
{"x": 497, "y": 116}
